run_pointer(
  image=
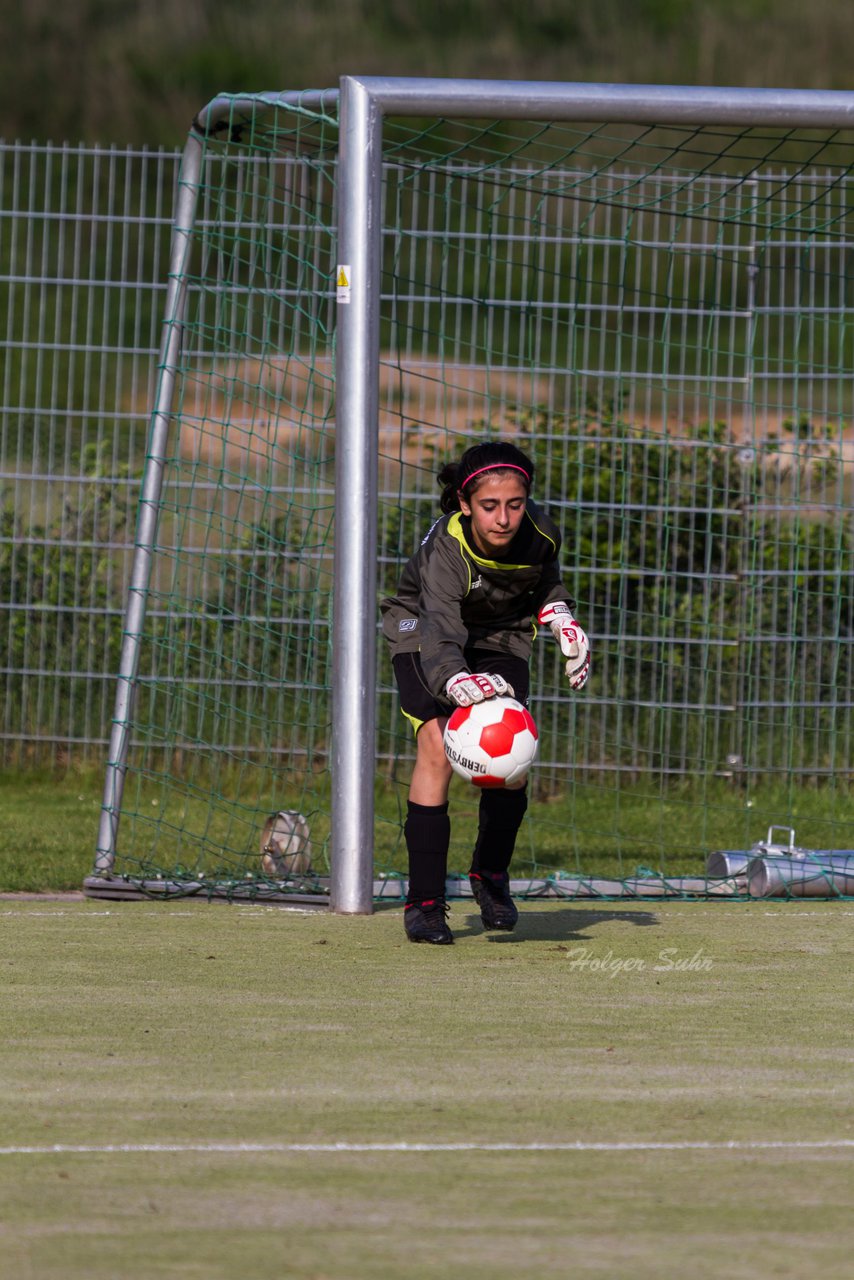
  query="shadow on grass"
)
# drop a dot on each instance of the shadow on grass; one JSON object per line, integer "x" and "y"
{"x": 557, "y": 924}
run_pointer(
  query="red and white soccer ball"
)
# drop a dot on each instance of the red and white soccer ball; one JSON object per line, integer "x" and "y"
{"x": 491, "y": 743}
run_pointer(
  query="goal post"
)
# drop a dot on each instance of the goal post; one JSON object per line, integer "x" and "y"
{"x": 645, "y": 284}
{"x": 356, "y": 481}
{"x": 149, "y": 501}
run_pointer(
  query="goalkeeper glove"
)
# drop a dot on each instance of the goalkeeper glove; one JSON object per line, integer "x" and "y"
{"x": 574, "y": 644}
{"x": 465, "y": 688}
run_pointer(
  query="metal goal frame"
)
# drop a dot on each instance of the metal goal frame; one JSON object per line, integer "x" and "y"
{"x": 363, "y": 103}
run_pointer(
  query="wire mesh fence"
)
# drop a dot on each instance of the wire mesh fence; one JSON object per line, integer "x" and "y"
{"x": 706, "y": 308}
{"x": 84, "y": 236}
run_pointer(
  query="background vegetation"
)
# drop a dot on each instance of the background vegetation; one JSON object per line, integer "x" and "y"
{"x": 138, "y": 70}
{"x": 106, "y": 71}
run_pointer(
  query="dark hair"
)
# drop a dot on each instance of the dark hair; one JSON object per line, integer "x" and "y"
{"x": 464, "y": 476}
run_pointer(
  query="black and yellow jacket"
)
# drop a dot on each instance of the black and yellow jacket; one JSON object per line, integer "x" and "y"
{"x": 451, "y": 598}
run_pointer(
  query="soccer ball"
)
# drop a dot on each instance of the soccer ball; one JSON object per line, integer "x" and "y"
{"x": 285, "y": 845}
{"x": 491, "y": 743}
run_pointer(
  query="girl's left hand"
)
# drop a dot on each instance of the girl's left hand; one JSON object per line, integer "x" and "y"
{"x": 572, "y": 639}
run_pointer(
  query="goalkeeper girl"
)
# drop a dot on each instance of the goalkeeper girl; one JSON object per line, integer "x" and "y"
{"x": 460, "y": 629}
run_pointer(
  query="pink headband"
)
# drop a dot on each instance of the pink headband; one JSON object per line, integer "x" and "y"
{"x": 494, "y": 466}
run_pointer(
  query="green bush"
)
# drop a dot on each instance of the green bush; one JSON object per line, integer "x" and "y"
{"x": 62, "y": 579}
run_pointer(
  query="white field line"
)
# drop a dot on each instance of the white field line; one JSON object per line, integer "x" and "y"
{"x": 336, "y": 1148}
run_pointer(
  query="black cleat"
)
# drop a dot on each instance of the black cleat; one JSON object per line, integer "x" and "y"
{"x": 492, "y": 895}
{"x": 425, "y": 921}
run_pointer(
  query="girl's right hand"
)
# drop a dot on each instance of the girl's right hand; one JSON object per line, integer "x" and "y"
{"x": 465, "y": 688}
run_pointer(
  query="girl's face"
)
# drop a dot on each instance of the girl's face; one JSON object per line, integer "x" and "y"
{"x": 496, "y": 507}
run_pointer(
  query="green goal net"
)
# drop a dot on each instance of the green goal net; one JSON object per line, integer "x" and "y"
{"x": 660, "y": 316}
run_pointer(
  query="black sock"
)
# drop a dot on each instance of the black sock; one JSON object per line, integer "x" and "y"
{"x": 501, "y": 814}
{"x": 427, "y": 830}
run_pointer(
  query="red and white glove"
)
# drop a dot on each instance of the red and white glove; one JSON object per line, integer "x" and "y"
{"x": 465, "y": 688}
{"x": 574, "y": 644}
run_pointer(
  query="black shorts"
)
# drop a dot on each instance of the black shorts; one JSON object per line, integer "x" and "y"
{"x": 419, "y": 705}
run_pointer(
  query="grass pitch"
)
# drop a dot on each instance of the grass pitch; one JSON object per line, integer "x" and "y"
{"x": 176, "y": 1078}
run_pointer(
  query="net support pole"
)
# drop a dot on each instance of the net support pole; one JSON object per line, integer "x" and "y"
{"x": 353, "y": 642}
{"x": 152, "y": 483}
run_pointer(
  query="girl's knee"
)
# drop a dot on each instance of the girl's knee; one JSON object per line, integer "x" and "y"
{"x": 430, "y": 744}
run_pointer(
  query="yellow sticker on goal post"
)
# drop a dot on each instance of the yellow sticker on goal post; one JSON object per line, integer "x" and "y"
{"x": 342, "y": 283}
